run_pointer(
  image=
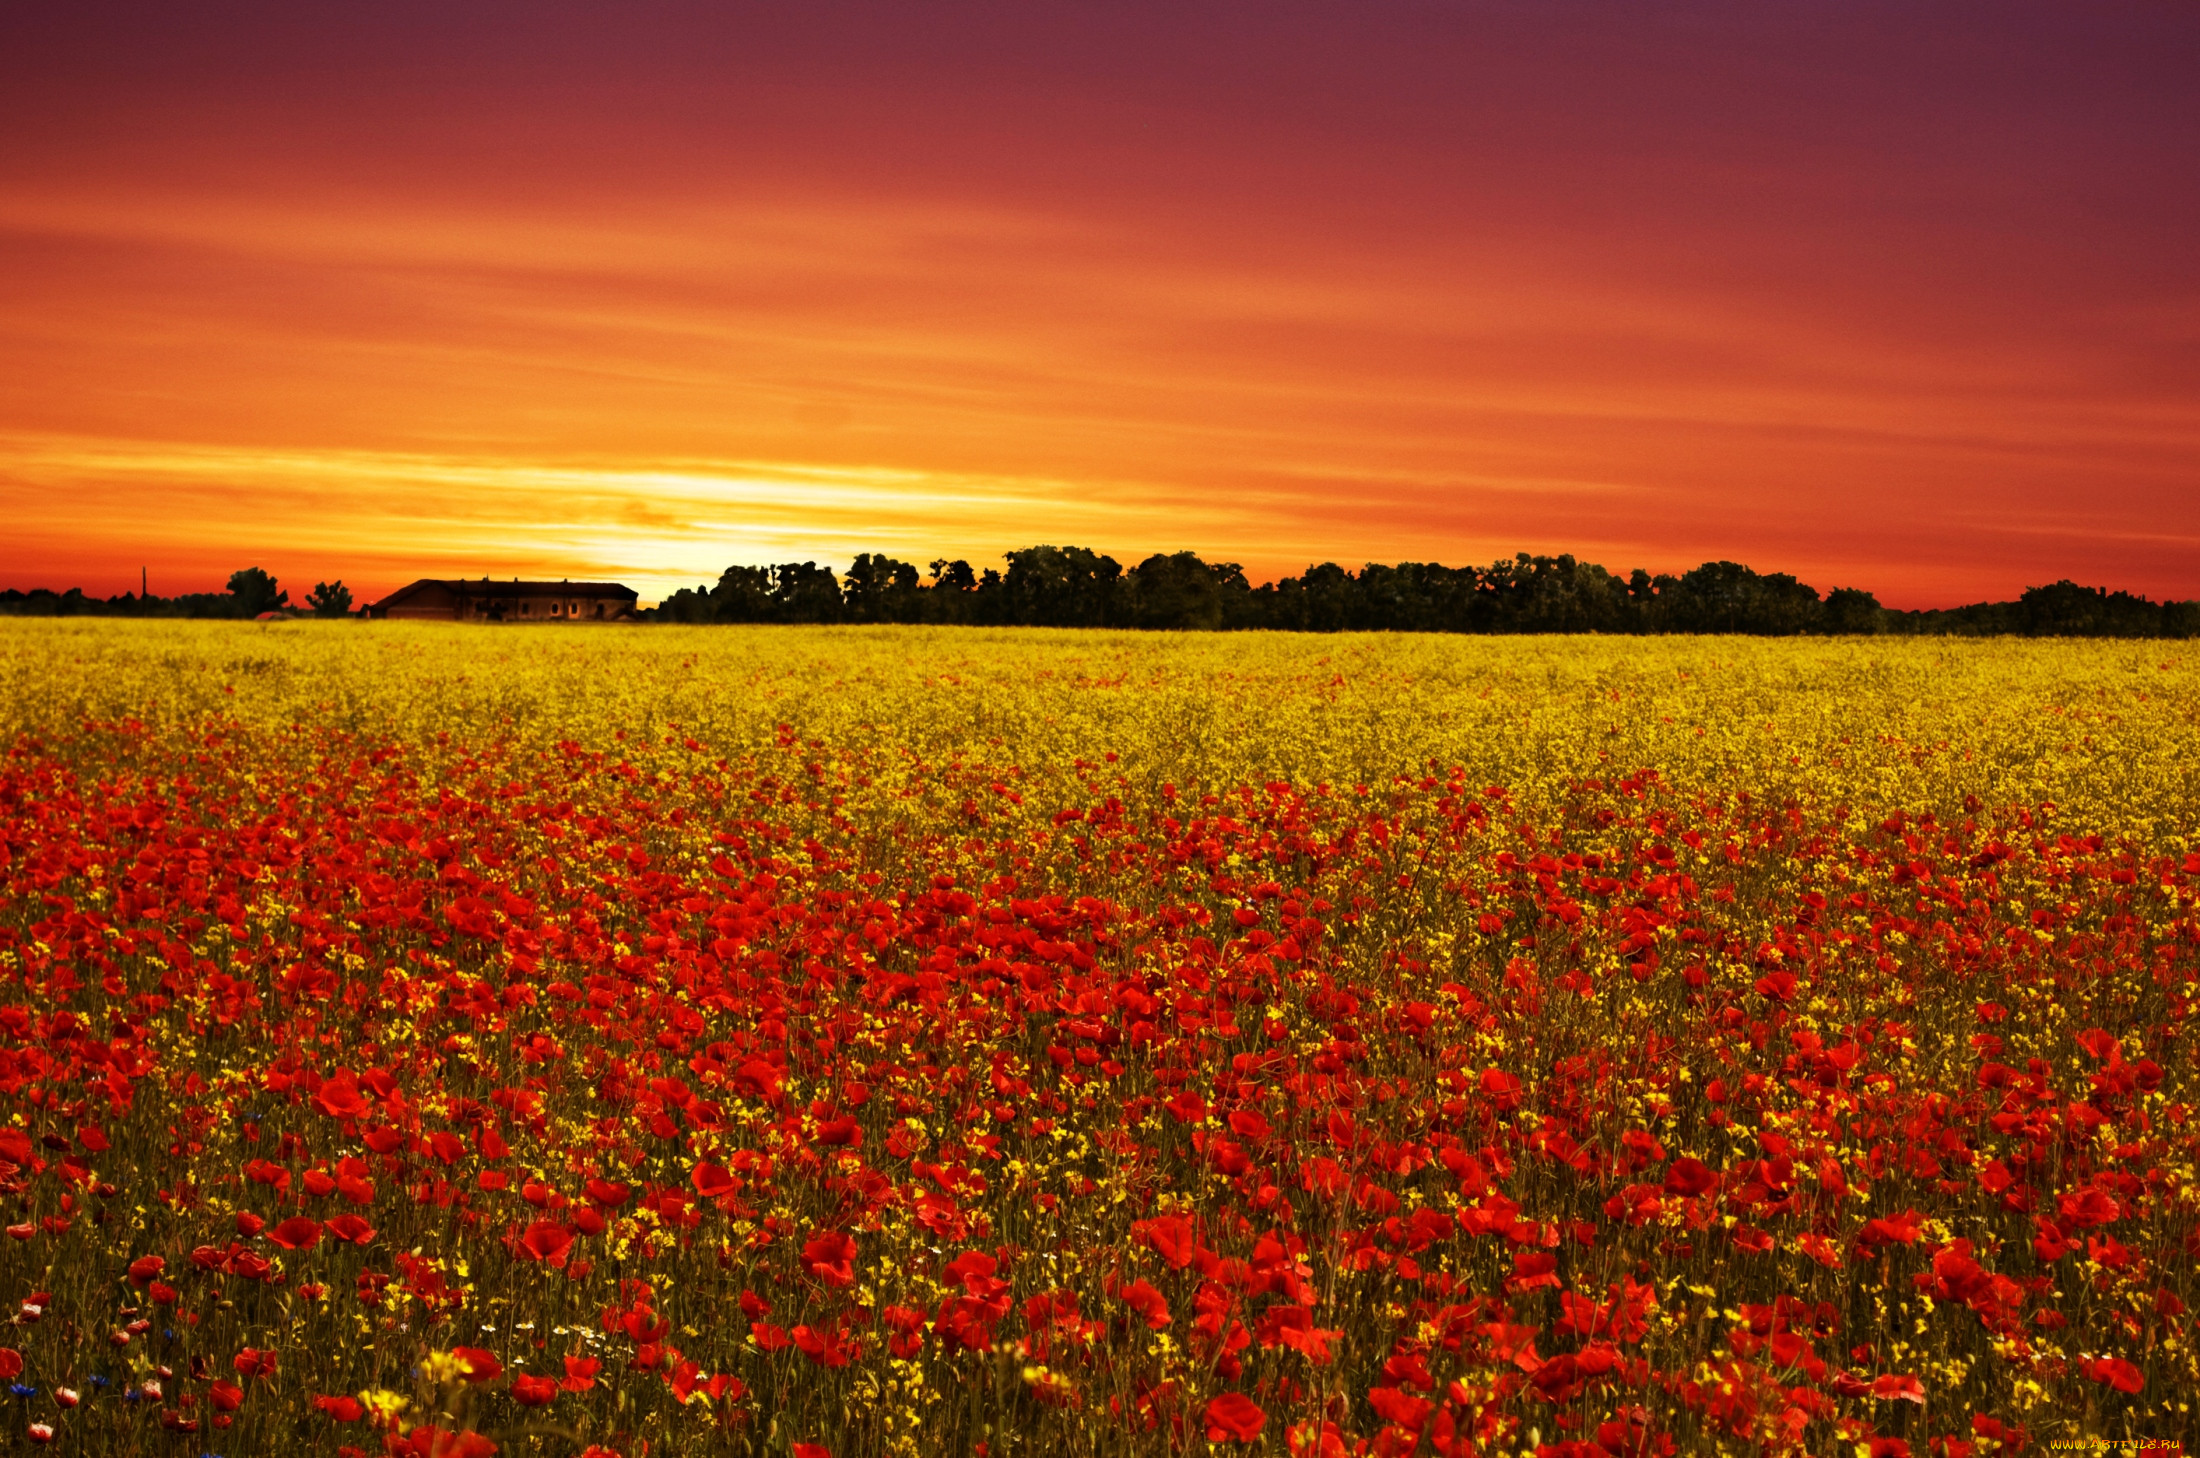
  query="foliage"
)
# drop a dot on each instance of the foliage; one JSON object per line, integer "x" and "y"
{"x": 256, "y": 592}
{"x": 329, "y": 599}
{"x": 1063, "y": 587}
{"x": 853, "y": 1041}
{"x": 251, "y": 591}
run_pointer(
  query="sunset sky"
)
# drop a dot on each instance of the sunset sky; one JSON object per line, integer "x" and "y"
{"x": 1899, "y": 296}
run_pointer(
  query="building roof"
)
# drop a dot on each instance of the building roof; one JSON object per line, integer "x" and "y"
{"x": 513, "y": 587}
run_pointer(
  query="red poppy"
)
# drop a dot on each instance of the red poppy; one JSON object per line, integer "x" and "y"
{"x": 974, "y": 1270}
{"x": 297, "y": 1233}
{"x": 580, "y": 1373}
{"x": 339, "y": 1098}
{"x": 480, "y": 1365}
{"x": 2089, "y": 1206}
{"x": 342, "y": 1409}
{"x": 1247, "y": 1124}
{"x": 430, "y": 1441}
{"x": 1151, "y": 1306}
{"x": 144, "y": 1268}
{"x": 1902, "y": 1229}
{"x": 1502, "y": 1089}
{"x": 712, "y": 1180}
{"x": 352, "y": 1229}
{"x": 1234, "y": 1417}
{"x": 546, "y": 1241}
{"x": 831, "y": 1258}
{"x": 529, "y": 1391}
{"x": 2115, "y": 1372}
{"x": 1171, "y": 1236}
{"x": 822, "y": 1347}
{"x": 1689, "y": 1176}
{"x": 606, "y": 1193}
{"x": 252, "y": 1362}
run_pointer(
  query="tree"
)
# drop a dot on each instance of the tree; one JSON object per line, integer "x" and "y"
{"x": 2066, "y": 610}
{"x": 879, "y": 589}
{"x": 328, "y": 599}
{"x": 253, "y": 591}
{"x": 1851, "y": 610}
{"x": 1181, "y": 591}
{"x": 1062, "y": 587}
{"x": 743, "y": 595}
{"x": 804, "y": 592}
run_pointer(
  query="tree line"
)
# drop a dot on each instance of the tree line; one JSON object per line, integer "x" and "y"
{"x": 1078, "y": 587}
{"x": 252, "y": 591}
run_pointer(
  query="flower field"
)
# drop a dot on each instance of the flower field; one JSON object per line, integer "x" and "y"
{"x": 847, "y": 1042}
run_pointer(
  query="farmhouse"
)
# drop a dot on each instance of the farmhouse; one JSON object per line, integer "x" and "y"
{"x": 481, "y": 600}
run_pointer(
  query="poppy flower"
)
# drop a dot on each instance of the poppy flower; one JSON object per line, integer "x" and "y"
{"x": 1892, "y": 1388}
{"x": 831, "y": 1258}
{"x": 1170, "y": 1236}
{"x": 530, "y": 1391}
{"x": 430, "y": 1441}
{"x": 712, "y": 1180}
{"x": 1247, "y": 1124}
{"x": 352, "y": 1229}
{"x": 606, "y": 1193}
{"x": 1689, "y": 1176}
{"x": 974, "y": 1270}
{"x": 546, "y": 1241}
{"x": 479, "y": 1365}
{"x": 342, "y": 1409}
{"x": 1902, "y": 1229}
{"x": 1152, "y": 1307}
{"x": 822, "y": 1347}
{"x": 297, "y": 1233}
{"x": 1502, "y": 1089}
{"x": 1234, "y": 1417}
{"x": 2089, "y": 1206}
{"x": 144, "y": 1268}
{"x": 580, "y": 1373}
{"x": 2115, "y": 1372}
{"x": 339, "y": 1098}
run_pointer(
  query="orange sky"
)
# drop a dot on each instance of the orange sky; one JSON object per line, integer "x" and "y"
{"x": 1899, "y": 297}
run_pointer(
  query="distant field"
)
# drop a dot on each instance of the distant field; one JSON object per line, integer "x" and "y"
{"x": 896, "y": 1041}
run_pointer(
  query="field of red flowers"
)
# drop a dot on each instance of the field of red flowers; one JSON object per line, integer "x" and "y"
{"x": 630, "y": 1092}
